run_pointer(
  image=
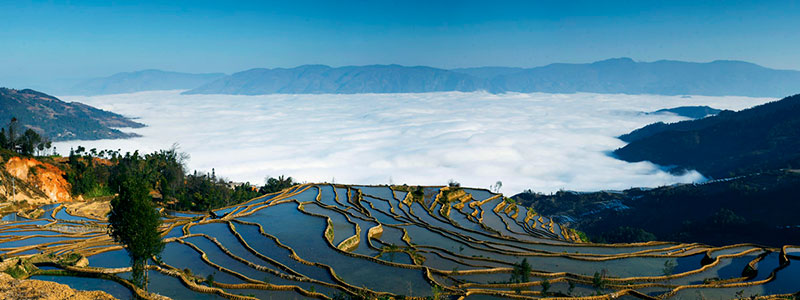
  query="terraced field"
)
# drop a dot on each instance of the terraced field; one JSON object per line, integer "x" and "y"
{"x": 336, "y": 241}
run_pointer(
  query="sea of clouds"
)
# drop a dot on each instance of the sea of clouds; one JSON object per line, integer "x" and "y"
{"x": 544, "y": 142}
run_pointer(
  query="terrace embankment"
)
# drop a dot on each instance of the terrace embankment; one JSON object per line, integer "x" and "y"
{"x": 11, "y": 288}
{"x": 97, "y": 210}
{"x": 282, "y": 246}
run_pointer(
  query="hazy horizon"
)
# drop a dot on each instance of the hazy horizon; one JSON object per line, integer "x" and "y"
{"x": 411, "y": 65}
{"x": 65, "y": 87}
{"x": 60, "y": 43}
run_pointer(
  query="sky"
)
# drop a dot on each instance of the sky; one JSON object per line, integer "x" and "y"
{"x": 46, "y": 43}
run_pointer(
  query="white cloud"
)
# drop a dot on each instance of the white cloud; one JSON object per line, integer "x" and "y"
{"x": 541, "y": 141}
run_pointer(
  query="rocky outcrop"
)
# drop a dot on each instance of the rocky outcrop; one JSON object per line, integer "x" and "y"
{"x": 47, "y": 178}
{"x": 11, "y": 288}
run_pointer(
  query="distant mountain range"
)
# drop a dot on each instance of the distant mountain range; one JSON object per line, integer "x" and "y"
{"x": 320, "y": 79}
{"x": 764, "y": 137}
{"x": 488, "y": 72}
{"x": 664, "y": 77}
{"x": 146, "y": 80}
{"x": 621, "y": 75}
{"x": 60, "y": 120}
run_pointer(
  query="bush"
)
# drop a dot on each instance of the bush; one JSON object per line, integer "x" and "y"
{"x": 16, "y": 272}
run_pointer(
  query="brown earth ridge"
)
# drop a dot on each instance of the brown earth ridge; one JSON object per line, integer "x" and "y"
{"x": 32, "y": 289}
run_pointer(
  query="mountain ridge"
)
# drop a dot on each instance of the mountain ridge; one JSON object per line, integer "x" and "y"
{"x": 662, "y": 77}
{"x": 616, "y": 75}
{"x": 321, "y": 79}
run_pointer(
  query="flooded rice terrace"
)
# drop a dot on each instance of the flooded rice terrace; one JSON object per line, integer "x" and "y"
{"x": 337, "y": 241}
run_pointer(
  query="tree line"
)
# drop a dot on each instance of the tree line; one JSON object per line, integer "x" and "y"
{"x": 92, "y": 174}
{"x": 133, "y": 219}
{"x": 27, "y": 143}
{"x": 138, "y": 184}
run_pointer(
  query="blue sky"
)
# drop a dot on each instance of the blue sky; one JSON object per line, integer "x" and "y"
{"x": 47, "y": 42}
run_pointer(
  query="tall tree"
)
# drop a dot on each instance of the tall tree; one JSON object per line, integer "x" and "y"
{"x": 133, "y": 219}
{"x": 3, "y": 139}
{"x": 169, "y": 171}
{"x": 521, "y": 273}
{"x": 29, "y": 141}
{"x": 12, "y": 128}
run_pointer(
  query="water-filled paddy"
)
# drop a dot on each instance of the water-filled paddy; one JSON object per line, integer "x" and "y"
{"x": 396, "y": 241}
{"x": 91, "y": 284}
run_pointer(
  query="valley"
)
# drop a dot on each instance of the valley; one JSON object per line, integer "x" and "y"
{"x": 329, "y": 240}
{"x": 393, "y": 150}
{"x": 544, "y": 142}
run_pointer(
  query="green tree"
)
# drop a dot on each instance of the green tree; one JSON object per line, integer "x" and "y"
{"x": 626, "y": 234}
{"x": 85, "y": 175}
{"x": 669, "y": 267}
{"x": 3, "y": 139}
{"x": 169, "y": 171}
{"x": 277, "y": 184}
{"x": 521, "y": 273}
{"x": 599, "y": 281}
{"x": 571, "y": 288}
{"x": 133, "y": 219}
{"x": 545, "y": 287}
{"x": 12, "y": 136}
{"x": 29, "y": 141}
{"x": 726, "y": 217}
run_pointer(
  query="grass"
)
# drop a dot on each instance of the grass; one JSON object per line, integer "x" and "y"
{"x": 16, "y": 272}
{"x": 98, "y": 191}
{"x": 69, "y": 259}
{"x": 582, "y": 235}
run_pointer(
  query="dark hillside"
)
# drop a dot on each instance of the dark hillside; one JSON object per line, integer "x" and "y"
{"x": 60, "y": 120}
{"x": 760, "y": 208}
{"x": 765, "y": 137}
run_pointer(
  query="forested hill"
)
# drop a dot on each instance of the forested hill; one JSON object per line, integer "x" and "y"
{"x": 60, "y": 120}
{"x": 764, "y": 137}
{"x": 694, "y": 112}
{"x": 758, "y": 208}
{"x": 620, "y": 75}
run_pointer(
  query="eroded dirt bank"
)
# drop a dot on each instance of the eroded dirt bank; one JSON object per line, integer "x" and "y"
{"x": 32, "y": 289}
